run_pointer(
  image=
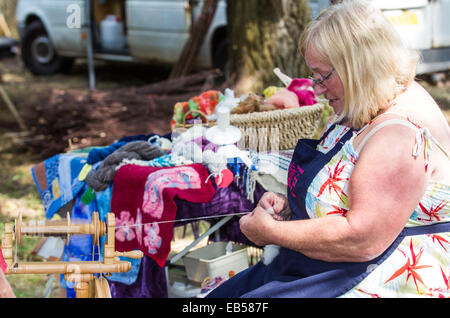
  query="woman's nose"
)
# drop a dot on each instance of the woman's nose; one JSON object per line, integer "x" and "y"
{"x": 319, "y": 89}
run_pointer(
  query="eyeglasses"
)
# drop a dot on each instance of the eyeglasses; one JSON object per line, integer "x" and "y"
{"x": 320, "y": 81}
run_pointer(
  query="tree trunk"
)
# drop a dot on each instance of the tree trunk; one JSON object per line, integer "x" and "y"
{"x": 8, "y": 9}
{"x": 264, "y": 35}
{"x": 192, "y": 47}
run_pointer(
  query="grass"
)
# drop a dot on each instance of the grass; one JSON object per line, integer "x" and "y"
{"x": 24, "y": 285}
{"x": 18, "y": 193}
{"x": 30, "y": 285}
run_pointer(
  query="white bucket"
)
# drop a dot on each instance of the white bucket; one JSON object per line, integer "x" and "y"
{"x": 112, "y": 33}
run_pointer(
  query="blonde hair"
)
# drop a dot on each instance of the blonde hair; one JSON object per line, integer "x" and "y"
{"x": 366, "y": 52}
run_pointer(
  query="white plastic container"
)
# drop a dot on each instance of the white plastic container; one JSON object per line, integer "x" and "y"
{"x": 212, "y": 261}
{"x": 112, "y": 33}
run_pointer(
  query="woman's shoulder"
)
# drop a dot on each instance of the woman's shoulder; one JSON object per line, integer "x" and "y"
{"x": 420, "y": 108}
{"x": 417, "y": 104}
{"x": 415, "y": 135}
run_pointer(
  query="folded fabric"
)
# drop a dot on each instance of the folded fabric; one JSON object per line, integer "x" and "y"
{"x": 80, "y": 246}
{"x": 129, "y": 277}
{"x": 100, "y": 153}
{"x": 57, "y": 182}
{"x": 275, "y": 164}
{"x": 143, "y": 197}
{"x": 144, "y": 137}
{"x": 273, "y": 170}
{"x": 151, "y": 282}
{"x": 169, "y": 160}
{"x": 100, "y": 178}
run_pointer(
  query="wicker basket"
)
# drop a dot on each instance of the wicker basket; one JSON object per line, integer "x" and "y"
{"x": 277, "y": 129}
{"x": 205, "y": 122}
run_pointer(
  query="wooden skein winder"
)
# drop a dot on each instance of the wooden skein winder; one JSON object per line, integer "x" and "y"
{"x": 79, "y": 272}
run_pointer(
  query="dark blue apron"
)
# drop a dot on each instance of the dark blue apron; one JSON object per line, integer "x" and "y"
{"x": 292, "y": 274}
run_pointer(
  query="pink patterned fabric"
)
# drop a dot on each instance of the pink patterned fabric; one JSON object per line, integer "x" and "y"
{"x": 143, "y": 202}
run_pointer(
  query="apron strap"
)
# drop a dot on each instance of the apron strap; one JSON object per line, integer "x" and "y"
{"x": 427, "y": 229}
{"x": 324, "y": 135}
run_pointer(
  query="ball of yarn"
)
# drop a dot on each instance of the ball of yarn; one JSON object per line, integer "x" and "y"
{"x": 271, "y": 90}
{"x": 214, "y": 161}
{"x": 99, "y": 179}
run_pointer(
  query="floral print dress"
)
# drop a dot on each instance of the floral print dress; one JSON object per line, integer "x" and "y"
{"x": 420, "y": 265}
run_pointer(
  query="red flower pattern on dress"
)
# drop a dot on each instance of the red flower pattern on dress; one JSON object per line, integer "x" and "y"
{"x": 411, "y": 267}
{"x": 433, "y": 291}
{"x": 332, "y": 181}
{"x": 439, "y": 239}
{"x": 433, "y": 212}
{"x": 367, "y": 293}
{"x": 446, "y": 278}
{"x": 338, "y": 210}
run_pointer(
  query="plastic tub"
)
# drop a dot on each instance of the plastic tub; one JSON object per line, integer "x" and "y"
{"x": 212, "y": 261}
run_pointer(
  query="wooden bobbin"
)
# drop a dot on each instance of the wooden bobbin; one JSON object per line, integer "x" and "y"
{"x": 96, "y": 228}
{"x": 101, "y": 288}
{"x": 18, "y": 229}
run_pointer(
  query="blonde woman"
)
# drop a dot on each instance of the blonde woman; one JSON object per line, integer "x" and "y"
{"x": 370, "y": 199}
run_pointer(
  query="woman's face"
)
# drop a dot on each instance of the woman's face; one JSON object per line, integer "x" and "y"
{"x": 332, "y": 87}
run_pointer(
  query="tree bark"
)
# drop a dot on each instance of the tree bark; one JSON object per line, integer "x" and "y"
{"x": 195, "y": 41}
{"x": 8, "y": 9}
{"x": 264, "y": 35}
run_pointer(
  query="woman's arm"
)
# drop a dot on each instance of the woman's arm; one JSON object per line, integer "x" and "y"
{"x": 385, "y": 187}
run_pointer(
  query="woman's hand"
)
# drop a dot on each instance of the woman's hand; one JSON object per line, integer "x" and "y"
{"x": 257, "y": 226}
{"x": 274, "y": 202}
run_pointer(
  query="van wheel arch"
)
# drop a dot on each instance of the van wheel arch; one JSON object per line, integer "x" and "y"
{"x": 38, "y": 53}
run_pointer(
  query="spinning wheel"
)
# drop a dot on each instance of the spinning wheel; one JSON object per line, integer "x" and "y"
{"x": 80, "y": 272}
{"x": 101, "y": 288}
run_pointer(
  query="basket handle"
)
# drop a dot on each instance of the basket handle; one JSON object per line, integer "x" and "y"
{"x": 195, "y": 111}
{"x": 283, "y": 77}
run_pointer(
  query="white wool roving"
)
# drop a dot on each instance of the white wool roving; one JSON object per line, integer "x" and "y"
{"x": 270, "y": 252}
{"x": 215, "y": 162}
{"x": 190, "y": 151}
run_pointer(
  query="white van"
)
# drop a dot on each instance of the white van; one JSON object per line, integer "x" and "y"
{"x": 423, "y": 24}
{"x": 53, "y": 32}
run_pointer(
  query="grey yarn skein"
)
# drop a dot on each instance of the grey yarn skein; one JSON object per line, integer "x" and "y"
{"x": 99, "y": 179}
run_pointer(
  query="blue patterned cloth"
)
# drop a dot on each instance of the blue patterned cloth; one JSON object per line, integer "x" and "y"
{"x": 57, "y": 180}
